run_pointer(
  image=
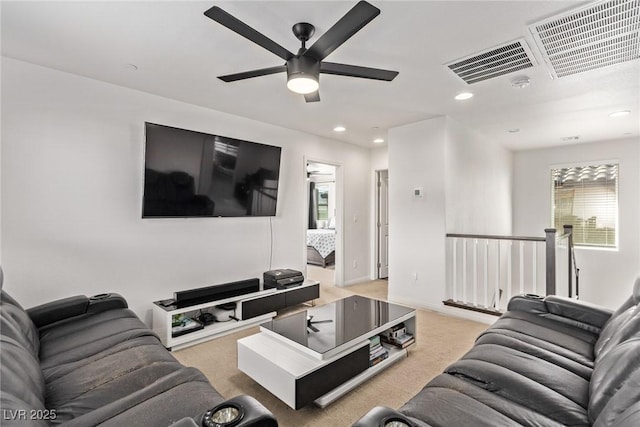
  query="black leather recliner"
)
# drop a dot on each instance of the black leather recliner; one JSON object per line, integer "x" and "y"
{"x": 90, "y": 361}
{"x": 545, "y": 362}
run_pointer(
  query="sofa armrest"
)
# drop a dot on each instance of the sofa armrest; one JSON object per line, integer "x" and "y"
{"x": 252, "y": 413}
{"x": 58, "y": 310}
{"x": 529, "y": 303}
{"x": 579, "y": 311}
{"x": 66, "y": 308}
{"x": 104, "y": 302}
{"x": 381, "y": 415}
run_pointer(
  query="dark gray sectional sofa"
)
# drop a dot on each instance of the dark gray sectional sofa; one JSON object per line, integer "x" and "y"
{"x": 90, "y": 361}
{"x": 546, "y": 362}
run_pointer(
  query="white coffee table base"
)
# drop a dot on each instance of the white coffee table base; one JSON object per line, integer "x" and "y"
{"x": 297, "y": 378}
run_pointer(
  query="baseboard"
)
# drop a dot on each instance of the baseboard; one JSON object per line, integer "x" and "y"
{"x": 447, "y": 311}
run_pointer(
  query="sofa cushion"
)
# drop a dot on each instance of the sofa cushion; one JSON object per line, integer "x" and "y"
{"x": 525, "y": 391}
{"x": 532, "y": 368}
{"x": 566, "y": 340}
{"x": 183, "y": 393}
{"x": 620, "y": 328}
{"x": 615, "y": 383}
{"x": 450, "y": 401}
{"x": 109, "y": 378}
{"x": 81, "y": 337}
{"x": 17, "y": 324}
{"x": 555, "y": 355}
{"x": 21, "y": 382}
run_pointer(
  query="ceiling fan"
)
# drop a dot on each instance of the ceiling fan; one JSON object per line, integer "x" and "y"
{"x": 303, "y": 69}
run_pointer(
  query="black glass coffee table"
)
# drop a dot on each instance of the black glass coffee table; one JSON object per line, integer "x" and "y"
{"x": 319, "y": 354}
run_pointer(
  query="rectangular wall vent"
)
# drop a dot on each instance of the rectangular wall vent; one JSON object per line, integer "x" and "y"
{"x": 595, "y": 36}
{"x": 504, "y": 59}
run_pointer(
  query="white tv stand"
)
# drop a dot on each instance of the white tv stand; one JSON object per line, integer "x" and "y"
{"x": 251, "y": 310}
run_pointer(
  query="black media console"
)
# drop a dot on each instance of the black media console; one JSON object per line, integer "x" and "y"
{"x": 252, "y": 307}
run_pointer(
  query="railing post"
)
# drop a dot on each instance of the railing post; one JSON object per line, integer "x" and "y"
{"x": 550, "y": 245}
{"x": 568, "y": 229}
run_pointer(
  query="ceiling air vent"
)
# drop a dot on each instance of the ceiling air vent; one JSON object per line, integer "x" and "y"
{"x": 504, "y": 59}
{"x": 595, "y": 36}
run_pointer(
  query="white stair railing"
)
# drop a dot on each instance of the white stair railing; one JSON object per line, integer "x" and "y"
{"x": 485, "y": 271}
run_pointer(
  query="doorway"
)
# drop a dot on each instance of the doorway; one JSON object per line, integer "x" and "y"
{"x": 323, "y": 207}
{"x": 382, "y": 222}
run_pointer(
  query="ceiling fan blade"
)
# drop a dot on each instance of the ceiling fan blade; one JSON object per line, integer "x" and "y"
{"x": 313, "y": 328}
{"x": 357, "y": 71}
{"x": 234, "y": 24}
{"x": 254, "y": 73}
{"x": 359, "y": 16}
{"x": 312, "y": 97}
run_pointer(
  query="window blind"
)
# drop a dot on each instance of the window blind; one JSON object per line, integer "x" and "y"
{"x": 587, "y": 198}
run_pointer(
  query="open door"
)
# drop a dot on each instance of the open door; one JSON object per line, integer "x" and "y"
{"x": 322, "y": 224}
{"x": 383, "y": 224}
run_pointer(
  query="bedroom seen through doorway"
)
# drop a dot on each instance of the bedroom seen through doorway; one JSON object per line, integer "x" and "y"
{"x": 321, "y": 223}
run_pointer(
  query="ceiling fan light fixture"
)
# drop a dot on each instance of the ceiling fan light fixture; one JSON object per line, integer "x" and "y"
{"x": 303, "y": 75}
{"x": 302, "y": 84}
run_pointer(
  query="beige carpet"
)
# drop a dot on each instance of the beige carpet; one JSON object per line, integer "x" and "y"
{"x": 440, "y": 341}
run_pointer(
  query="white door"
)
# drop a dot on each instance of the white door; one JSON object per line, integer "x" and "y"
{"x": 383, "y": 224}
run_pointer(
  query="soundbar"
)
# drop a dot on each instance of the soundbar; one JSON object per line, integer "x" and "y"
{"x": 215, "y": 292}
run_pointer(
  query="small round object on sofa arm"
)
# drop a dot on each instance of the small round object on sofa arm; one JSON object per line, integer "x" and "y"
{"x": 382, "y": 416}
{"x": 239, "y": 411}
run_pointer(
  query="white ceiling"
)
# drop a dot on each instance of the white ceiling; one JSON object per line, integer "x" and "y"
{"x": 179, "y": 52}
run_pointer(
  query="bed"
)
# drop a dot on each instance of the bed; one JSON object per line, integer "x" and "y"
{"x": 321, "y": 247}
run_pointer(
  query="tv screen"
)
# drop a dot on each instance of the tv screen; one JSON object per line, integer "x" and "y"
{"x": 194, "y": 174}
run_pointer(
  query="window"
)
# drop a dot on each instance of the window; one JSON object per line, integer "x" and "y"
{"x": 586, "y": 198}
{"x": 323, "y": 201}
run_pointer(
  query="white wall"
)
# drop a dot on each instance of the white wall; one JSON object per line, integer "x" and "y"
{"x": 72, "y": 173}
{"x": 478, "y": 183}
{"x": 417, "y": 225}
{"x": 466, "y": 182}
{"x": 606, "y": 276}
{"x": 379, "y": 158}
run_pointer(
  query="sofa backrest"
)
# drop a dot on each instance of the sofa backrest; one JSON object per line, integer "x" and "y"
{"x": 615, "y": 331}
{"x": 615, "y": 381}
{"x": 22, "y": 387}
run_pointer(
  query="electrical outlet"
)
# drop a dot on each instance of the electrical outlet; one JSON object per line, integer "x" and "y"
{"x": 355, "y": 263}
{"x": 415, "y": 276}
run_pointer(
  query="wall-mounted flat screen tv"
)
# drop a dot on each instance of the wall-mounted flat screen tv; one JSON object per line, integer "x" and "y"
{"x": 194, "y": 174}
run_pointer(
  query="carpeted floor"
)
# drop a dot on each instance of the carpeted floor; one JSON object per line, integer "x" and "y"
{"x": 440, "y": 341}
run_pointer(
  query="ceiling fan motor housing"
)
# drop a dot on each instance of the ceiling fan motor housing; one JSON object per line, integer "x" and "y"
{"x": 303, "y": 66}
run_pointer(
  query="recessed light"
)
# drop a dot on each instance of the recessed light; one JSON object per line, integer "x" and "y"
{"x": 514, "y": 130}
{"x": 620, "y": 113}
{"x": 339, "y": 129}
{"x": 570, "y": 138}
{"x": 131, "y": 67}
{"x": 463, "y": 95}
{"x": 378, "y": 141}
